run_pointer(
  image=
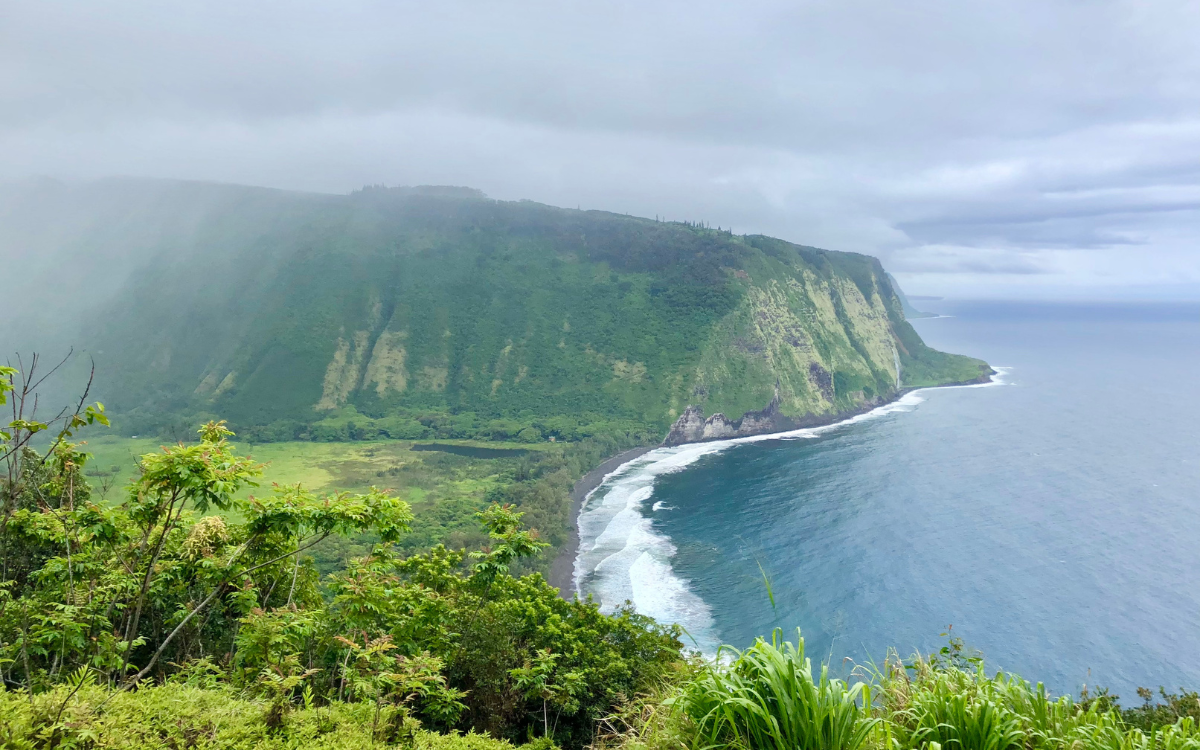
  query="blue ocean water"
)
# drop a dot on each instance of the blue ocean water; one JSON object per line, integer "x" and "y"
{"x": 1053, "y": 520}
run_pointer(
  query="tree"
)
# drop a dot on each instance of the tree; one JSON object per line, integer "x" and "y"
{"x": 539, "y": 680}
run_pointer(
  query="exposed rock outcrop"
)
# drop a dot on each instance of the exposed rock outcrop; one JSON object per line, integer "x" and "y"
{"x": 692, "y": 427}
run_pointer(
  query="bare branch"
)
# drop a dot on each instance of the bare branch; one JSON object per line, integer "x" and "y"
{"x": 207, "y": 600}
{"x": 34, "y": 386}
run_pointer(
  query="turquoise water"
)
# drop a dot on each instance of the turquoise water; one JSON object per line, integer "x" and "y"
{"x": 1053, "y": 520}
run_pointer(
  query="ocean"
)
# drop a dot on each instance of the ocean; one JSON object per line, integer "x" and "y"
{"x": 1052, "y": 518}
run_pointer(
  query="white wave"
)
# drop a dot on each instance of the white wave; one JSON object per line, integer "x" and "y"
{"x": 661, "y": 506}
{"x": 621, "y": 558}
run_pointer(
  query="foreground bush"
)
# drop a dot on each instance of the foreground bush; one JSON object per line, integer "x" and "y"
{"x": 185, "y": 580}
{"x": 182, "y": 716}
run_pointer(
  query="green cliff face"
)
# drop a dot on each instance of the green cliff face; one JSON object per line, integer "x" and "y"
{"x": 823, "y": 333}
{"x": 403, "y": 308}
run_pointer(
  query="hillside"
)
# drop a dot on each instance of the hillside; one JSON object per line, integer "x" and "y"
{"x": 437, "y": 312}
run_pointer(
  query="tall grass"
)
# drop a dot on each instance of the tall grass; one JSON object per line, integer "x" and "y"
{"x": 927, "y": 704}
{"x": 958, "y": 721}
{"x": 768, "y": 698}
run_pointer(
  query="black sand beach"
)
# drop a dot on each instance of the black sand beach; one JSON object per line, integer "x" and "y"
{"x": 562, "y": 572}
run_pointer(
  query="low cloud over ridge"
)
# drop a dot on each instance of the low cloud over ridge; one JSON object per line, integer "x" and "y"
{"x": 991, "y": 149}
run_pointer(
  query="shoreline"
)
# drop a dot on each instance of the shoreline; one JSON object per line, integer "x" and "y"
{"x": 562, "y": 570}
{"x": 790, "y": 424}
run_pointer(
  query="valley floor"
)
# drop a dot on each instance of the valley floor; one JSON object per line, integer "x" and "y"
{"x": 444, "y": 487}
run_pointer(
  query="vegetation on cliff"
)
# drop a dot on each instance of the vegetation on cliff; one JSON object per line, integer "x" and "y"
{"x": 438, "y": 313}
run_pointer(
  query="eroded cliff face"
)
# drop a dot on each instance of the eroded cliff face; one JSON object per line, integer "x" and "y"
{"x": 692, "y": 427}
{"x": 815, "y": 344}
{"x": 808, "y": 347}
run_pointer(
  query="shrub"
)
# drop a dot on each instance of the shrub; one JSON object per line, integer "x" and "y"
{"x": 530, "y": 435}
{"x": 402, "y": 428}
{"x": 180, "y": 715}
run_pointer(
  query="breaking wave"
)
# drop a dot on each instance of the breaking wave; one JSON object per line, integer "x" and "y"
{"x": 623, "y": 559}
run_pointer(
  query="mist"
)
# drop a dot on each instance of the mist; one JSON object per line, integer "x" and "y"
{"x": 1026, "y": 149}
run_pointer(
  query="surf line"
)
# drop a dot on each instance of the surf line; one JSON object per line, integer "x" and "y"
{"x": 621, "y": 558}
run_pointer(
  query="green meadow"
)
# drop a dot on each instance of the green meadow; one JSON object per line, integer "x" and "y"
{"x": 445, "y": 488}
{"x": 330, "y": 467}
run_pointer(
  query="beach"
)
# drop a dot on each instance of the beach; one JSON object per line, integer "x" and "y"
{"x": 562, "y": 572}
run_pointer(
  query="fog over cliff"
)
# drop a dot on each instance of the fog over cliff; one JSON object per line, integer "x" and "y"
{"x": 1025, "y": 148}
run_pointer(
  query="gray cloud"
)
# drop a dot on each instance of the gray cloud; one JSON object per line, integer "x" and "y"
{"x": 973, "y": 146}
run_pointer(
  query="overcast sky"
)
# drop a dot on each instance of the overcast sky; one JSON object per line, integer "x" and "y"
{"x": 1016, "y": 148}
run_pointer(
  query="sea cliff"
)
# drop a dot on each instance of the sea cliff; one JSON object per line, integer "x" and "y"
{"x": 693, "y": 427}
{"x": 435, "y": 313}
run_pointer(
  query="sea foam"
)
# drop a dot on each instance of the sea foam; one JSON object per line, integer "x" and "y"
{"x": 623, "y": 559}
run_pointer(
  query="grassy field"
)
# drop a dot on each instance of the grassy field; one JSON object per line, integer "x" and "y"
{"x": 444, "y": 487}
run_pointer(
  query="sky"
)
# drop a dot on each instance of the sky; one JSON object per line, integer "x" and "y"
{"x": 1025, "y": 148}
